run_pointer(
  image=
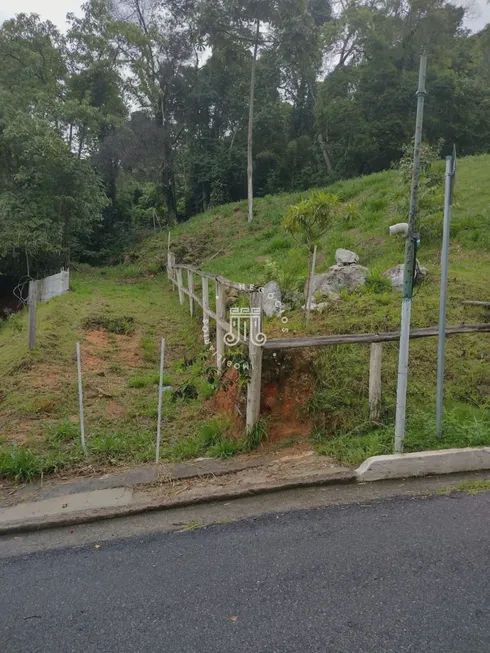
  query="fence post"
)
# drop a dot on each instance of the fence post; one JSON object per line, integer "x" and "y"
{"x": 80, "y": 399}
{"x": 160, "y": 400}
{"x": 190, "y": 283}
{"x": 375, "y": 381}
{"x": 220, "y": 332}
{"x": 205, "y": 308}
{"x": 180, "y": 286}
{"x": 255, "y": 358}
{"x": 33, "y": 297}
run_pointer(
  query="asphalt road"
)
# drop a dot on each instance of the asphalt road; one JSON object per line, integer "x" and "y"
{"x": 393, "y": 576}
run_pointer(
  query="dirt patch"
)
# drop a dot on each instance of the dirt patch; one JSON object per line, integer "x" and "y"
{"x": 129, "y": 350}
{"x": 114, "y": 410}
{"x": 97, "y": 338}
{"x": 123, "y": 349}
{"x": 227, "y": 399}
{"x": 286, "y": 388}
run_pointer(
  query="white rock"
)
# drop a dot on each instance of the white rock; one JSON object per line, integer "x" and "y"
{"x": 339, "y": 277}
{"x": 395, "y": 275}
{"x": 345, "y": 257}
{"x": 272, "y": 299}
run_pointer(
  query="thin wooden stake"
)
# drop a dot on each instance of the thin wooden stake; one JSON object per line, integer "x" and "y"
{"x": 33, "y": 297}
{"x": 160, "y": 401}
{"x": 375, "y": 381}
{"x": 310, "y": 289}
{"x": 80, "y": 400}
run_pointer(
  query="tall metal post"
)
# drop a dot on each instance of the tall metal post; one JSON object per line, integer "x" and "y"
{"x": 448, "y": 192}
{"x": 160, "y": 401}
{"x": 80, "y": 400}
{"x": 409, "y": 271}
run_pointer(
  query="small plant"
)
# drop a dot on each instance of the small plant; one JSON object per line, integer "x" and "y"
{"x": 148, "y": 349}
{"x": 375, "y": 283}
{"x": 147, "y": 381}
{"x": 65, "y": 432}
{"x": 256, "y": 435}
{"x": 20, "y": 464}
{"x": 309, "y": 220}
{"x": 123, "y": 325}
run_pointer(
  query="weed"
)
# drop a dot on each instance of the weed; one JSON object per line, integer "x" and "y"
{"x": 255, "y": 436}
{"x": 372, "y": 440}
{"x": 148, "y": 381}
{"x": 65, "y": 432}
{"x": 148, "y": 349}
{"x": 474, "y": 487}
{"x": 20, "y": 464}
{"x": 123, "y": 325}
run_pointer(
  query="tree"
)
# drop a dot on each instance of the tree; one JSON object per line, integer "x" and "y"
{"x": 157, "y": 41}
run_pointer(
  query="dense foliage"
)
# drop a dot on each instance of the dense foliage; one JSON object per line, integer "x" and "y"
{"x": 138, "y": 116}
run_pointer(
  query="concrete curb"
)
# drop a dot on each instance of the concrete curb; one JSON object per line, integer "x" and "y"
{"x": 424, "y": 463}
{"x": 88, "y": 516}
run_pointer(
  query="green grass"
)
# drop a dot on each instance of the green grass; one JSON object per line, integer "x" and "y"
{"x": 474, "y": 487}
{"x": 119, "y": 321}
{"x": 120, "y": 313}
{"x": 339, "y": 406}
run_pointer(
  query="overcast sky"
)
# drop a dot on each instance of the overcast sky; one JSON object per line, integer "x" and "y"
{"x": 56, "y": 10}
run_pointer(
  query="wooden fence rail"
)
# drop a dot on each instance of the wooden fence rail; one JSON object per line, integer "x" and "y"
{"x": 257, "y": 343}
{"x": 223, "y": 327}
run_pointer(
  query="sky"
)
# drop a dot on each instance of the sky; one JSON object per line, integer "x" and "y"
{"x": 56, "y": 10}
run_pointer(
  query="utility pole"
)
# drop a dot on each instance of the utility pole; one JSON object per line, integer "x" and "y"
{"x": 409, "y": 270}
{"x": 448, "y": 199}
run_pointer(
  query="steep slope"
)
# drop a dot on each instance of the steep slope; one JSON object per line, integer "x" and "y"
{"x": 221, "y": 241}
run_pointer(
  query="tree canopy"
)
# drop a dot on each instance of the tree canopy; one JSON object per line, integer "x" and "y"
{"x": 139, "y": 115}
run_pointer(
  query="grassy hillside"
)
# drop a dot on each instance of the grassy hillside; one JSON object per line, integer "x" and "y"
{"x": 120, "y": 313}
{"x": 221, "y": 241}
{"x": 119, "y": 320}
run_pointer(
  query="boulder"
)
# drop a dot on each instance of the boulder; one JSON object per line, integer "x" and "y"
{"x": 346, "y": 257}
{"x": 272, "y": 299}
{"x": 395, "y": 275}
{"x": 337, "y": 278}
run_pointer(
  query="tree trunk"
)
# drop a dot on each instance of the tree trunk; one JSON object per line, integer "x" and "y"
{"x": 326, "y": 156}
{"x": 250, "y": 128}
{"x": 168, "y": 191}
{"x": 167, "y": 176}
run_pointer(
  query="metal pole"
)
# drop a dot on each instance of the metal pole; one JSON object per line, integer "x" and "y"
{"x": 450, "y": 171}
{"x": 160, "y": 399}
{"x": 409, "y": 269}
{"x": 80, "y": 399}
{"x": 310, "y": 287}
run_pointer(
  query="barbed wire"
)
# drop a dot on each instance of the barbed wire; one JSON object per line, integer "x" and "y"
{"x": 18, "y": 291}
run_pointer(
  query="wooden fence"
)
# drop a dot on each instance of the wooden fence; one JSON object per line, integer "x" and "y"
{"x": 256, "y": 341}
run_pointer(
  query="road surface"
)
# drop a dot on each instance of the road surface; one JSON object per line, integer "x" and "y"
{"x": 404, "y": 575}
